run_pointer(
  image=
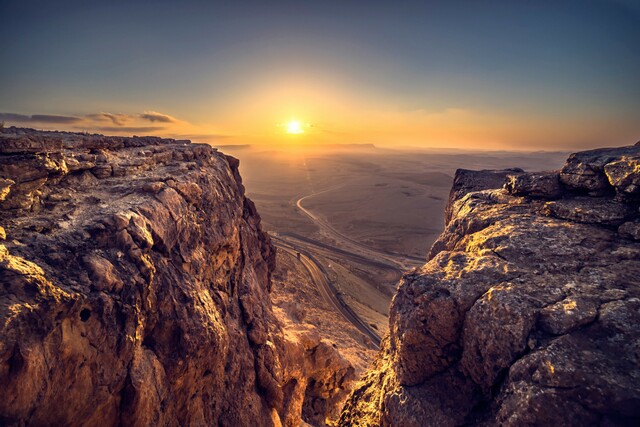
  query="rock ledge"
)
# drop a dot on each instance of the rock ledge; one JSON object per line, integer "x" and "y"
{"x": 528, "y": 311}
{"x": 134, "y": 290}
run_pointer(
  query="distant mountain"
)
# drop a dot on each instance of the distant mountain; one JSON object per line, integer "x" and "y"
{"x": 234, "y": 146}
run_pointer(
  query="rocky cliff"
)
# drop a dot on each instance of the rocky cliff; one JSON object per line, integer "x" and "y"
{"x": 528, "y": 310}
{"x": 135, "y": 290}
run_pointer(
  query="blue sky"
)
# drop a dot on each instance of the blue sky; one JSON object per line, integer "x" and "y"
{"x": 230, "y": 68}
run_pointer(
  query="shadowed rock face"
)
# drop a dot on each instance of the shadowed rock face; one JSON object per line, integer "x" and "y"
{"x": 528, "y": 311}
{"x": 134, "y": 288}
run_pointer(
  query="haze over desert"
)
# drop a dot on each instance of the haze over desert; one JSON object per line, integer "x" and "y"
{"x": 339, "y": 213}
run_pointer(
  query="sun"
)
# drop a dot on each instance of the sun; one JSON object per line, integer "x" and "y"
{"x": 295, "y": 127}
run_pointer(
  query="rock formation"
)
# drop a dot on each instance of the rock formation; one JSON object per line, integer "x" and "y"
{"x": 317, "y": 378}
{"x": 528, "y": 310}
{"x": 135, "y": 289}
{"x": 324, "y": 354}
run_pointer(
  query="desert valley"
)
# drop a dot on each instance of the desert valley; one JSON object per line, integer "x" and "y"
{"x": 143, "y": 255}
{"x": 320, "y": 214}
{"x": 363, "y": 215}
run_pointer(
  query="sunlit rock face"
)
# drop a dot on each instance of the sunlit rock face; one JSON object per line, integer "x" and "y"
{"x": 528, "y": 310}
{"x": 135, "y": 287}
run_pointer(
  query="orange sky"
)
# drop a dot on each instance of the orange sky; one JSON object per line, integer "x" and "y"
{"x": 475, "y": 75}
{"x": 333, "y": 114}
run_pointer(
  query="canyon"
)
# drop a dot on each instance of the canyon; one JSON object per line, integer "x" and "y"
{"x": 138, "y": 289}
{"x": 527, "y": 311}
{"x": 135, "y": 291}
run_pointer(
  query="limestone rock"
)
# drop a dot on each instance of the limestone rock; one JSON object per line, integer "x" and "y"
{"x": 102, "y": 171}
{"x": 630, "y": 229}
{"x": 527, "y": 313}
{"x": 139, "y": 297}
{"x": 624, "y": 175}
{"x": 590, "y": 210}
{"x": 32, "y": 143}
{"x": 23, "y": 195}
{"x": 5, "y": 188}
{"x": 466, "y": 181}
{"x": 545, "y": 185}
{"x": 566, "y": 315}
{"x": 316, "y": 377}
{"x": 585, "y": 171}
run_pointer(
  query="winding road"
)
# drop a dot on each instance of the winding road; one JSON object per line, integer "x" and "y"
{"x": 403, "y": 262}
{"x": 338, "y": 251}
{"x": 325, "y": 286}
{"x": 295, "y": 245}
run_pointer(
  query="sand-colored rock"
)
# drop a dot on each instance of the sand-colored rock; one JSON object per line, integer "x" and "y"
{"x": 324, "y": 352}
{"x": 134, "y": 290}
{"x": 624, "y": 176}
{"x": 466, "y": 181}
{"x": 527, "y": 312}
{"x": 585, "y": 171}
{"x": 590, "y": 210}
{"x": 544, "y": 185}
{"x": 316, "y": 377}
{"x": 5, "y": 188}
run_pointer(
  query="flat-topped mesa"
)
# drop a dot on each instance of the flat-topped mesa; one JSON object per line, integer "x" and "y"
{"x": 135, "y": 288}
{"x": 528, "y": 310}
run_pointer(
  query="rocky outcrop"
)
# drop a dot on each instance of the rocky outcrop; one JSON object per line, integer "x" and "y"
{"x": 598, "y": 172}
{"x": 317, "y": 378}
{"x": 528, "y": 310}
{"x": 134, "y": 287}
{"x": 324, "y": 353}
{"x": 466, "y": 181}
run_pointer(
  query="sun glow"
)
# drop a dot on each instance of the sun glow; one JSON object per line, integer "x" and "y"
{"x": 295, "y": 127}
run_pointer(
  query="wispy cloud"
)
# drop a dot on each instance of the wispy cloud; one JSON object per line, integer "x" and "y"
{"x": 39, "y": 118}
{"x": 134, "y": 129}
{"x": 144, "y": 123}
{"x": 118, "y": 119}
{"x": 121, "y": 122}
{"x": 12, "y": 117}
{"x": 46, "y": 118}
{"x": 154, "y": 116}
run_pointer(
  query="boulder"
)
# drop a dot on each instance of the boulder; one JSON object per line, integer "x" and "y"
{"x": 585, "y": 171}
{"x": 545, "y": 185}
{"x": 624, "y": 176}
{"x": 466, "y": 181}
{"x": 590, "y": 210}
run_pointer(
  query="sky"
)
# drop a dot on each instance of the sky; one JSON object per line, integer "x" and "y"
{"x": 521, "y": 75}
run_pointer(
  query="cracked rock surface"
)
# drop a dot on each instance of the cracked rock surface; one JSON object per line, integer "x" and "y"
{"x": 528, "y": 310}
{"x": 134, "y": 288}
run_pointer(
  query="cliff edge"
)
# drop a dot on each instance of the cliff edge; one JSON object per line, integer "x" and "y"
{"x": 528, "y": 310}
{"x": 134, "y": 290}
